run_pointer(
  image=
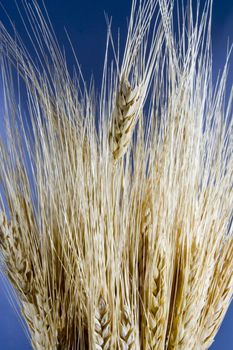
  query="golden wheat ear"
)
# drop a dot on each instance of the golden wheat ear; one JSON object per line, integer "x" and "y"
{"x": 219, "y": 297}
{"x": 102, "y": 336}
{"x": 127, "y": 330}
{"x": 125, "y": 116}
{"x": 141, "y": 56}
{"x": 21, "y": 271}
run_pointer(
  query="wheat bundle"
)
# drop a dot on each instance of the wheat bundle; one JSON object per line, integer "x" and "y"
{"x": 116, "y": 209}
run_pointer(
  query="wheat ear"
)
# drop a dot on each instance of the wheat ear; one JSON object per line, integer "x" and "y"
{"x": 156, "y": 309}
{"x": 127, "y": 330}
{"x": 219, "y": 297}
{"x": 102, "y": 326}
{"x": 185, "y": 320}
{"x": 124, "y": 117}
{"x": 15, "y": 257}
{"x": 153, "y": 279}
{"x": 146, "y": 228}
{"x": 143, "y": 247}
{"x": 35, "y": 304}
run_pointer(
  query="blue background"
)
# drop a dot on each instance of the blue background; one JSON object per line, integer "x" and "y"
{"x": 85, "y": 23}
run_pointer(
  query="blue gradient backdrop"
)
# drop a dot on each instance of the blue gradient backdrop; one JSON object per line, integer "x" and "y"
{"x": 85, "y": 23}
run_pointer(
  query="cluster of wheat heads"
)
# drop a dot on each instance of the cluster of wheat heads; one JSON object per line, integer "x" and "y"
{"x": 116, "y": 208}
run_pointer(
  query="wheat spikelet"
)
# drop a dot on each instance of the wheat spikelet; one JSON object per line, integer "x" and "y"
{"x": 146, "y": 231}
{"x": 127, "y": 330}
{"x": 102, "y": 336}
{"x": 124, "y": 117}
{"x": 219, "y": 296}
{"x": 41, "y": 310}
{"x": 189, "y": 318}
{"x": 138, "y": 64}
{"x": 195, "y": 270}
{"x": 188, "y": 297}
{"x": 155, "y": 275}
{"x": 39, "y": 320}
{"x": 35, "y": 304}
{"x": 19, "y": 269}
{"x": 156, "y": 308}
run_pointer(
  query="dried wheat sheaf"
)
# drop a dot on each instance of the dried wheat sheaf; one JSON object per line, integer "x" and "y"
{"x": 116, "y": 209}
